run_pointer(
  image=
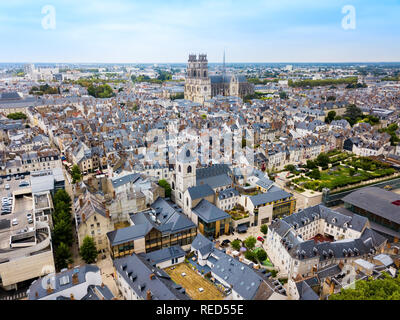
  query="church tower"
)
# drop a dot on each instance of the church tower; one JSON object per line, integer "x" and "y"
{"x": 185, "y": 174}
{"x": 198, "y": 83}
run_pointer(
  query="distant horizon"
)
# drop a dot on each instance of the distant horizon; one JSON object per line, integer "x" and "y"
{"x": 210, "y": 62}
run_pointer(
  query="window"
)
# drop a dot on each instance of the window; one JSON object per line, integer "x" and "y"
{"x": 189, "y": 169}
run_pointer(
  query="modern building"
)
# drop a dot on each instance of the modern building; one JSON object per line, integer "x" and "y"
{"x": 381, "y": 207}
{"x": 163, "y": 226}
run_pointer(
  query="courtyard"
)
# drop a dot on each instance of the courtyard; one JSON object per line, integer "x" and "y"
{"x": 192, "y": 282}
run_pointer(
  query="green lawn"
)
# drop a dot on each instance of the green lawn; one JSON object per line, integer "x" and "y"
{"x": 341, "y": 177}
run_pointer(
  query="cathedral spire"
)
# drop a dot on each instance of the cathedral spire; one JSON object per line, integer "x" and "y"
{"x": 224, "y": 67}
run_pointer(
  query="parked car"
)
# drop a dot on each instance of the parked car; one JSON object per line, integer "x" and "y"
{"x": 261, "y": 239}
{"x": 8, "y": 178}
{"x": 15, "y": 222}
{"x": 7, "y": 187}
{"x": 29, "y": 216}
{"x": 24, "y": 184}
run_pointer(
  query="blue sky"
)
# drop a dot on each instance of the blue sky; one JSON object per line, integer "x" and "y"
{"x": 131, "y": 31}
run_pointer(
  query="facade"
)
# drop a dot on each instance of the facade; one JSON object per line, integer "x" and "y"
{"x": 198, "y": 83}
{"x": 92, "y": 220}
{"x": 200, "y": 86}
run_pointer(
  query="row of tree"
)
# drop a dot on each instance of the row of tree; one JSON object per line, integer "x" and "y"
{"x": 322, "y": 82}
{"x": 62, "y": 231}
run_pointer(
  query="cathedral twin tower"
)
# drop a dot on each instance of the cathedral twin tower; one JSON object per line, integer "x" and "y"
{"x": 200, "y": 86}
{"x": 198, "y": 82}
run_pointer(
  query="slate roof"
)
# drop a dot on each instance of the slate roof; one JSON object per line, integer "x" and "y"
{"x": 243, "y": 279}
{"x": 164, "y": 216}
{"x": 130, "y": 178}
{"x": 202, "y": 191}
{"x": 215, "y": 181}
{"x": 377, "y": 201}
{"x": 98, "y": 293}
{"x": 212, "y": 171}
{"x": 268, "y": 197}
{"x": 228, "y": 193}
{"x": 305, "y": 291}
{"x": 209, "y": 212}
{"x": 202, "y": 244}
{"x": 124, "y": 235}
{"x": 40, "y": 288}
{"x": 165, "y": 254}
{"x": 136, "y": 271}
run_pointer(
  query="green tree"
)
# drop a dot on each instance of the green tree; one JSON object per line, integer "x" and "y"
{"x": 76, "y": 174}
{"x": 322, "y": 160}
{"x": 352, "y": 114}
{"x": 167, "y": 187}
{"x": 387, "y": 288}
{"x": 250, "y": 255}
{"x": 311, "y": 164}
{"x": 291, "y": 168}
{"x": 261, "y": 255}
{"x": 250, "y": 242}
{"x": 62, "y": 196}
{"x": 62, "y": 232}
{"x": 236, "y": 244}
{"x": 88, "y": 250}
{"x": 283, "y": 95}
{"x": 17, "y": 116}
{"x": 264, "y": 229}
{"x": 62, "y": 256}
{"x": 330, "y": 117}
{"x": 315, "y": 174}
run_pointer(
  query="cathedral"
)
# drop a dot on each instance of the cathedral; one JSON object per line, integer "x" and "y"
{"x": 200, "y": 86}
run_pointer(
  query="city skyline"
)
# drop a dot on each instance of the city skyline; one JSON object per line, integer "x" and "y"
{"x": 259, "y": 32}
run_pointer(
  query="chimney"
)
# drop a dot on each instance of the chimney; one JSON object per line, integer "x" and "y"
{"x": 49, "y": 290}
{"x": 75, "y": 279}
{"x": 107, "y": 213}
{"x": 80, "y": 202}
{"x": 114, "y": 195}
{"x": 72, "y": 296}
{"x": 152, "y": 276}
{"x": 36, "y": 294}
{"x": 148, "y": 296}
{"x": 83, "y": 217}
